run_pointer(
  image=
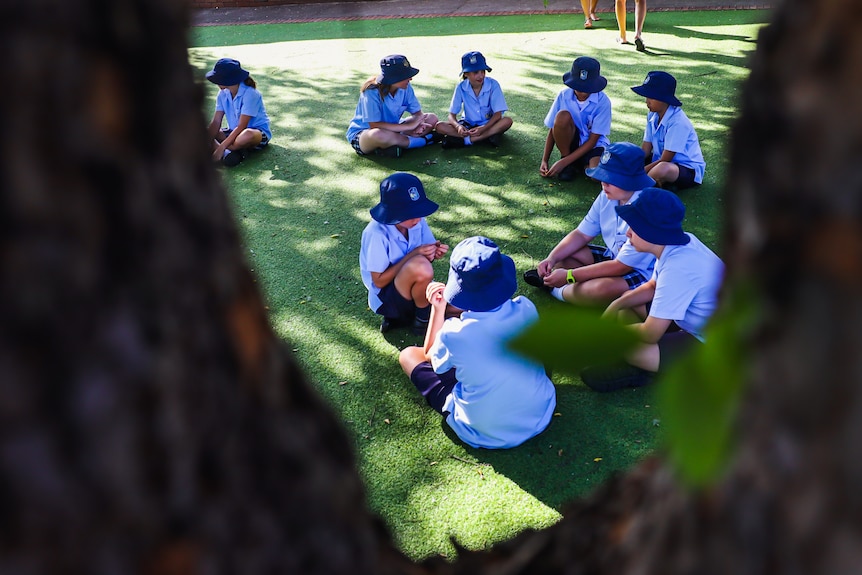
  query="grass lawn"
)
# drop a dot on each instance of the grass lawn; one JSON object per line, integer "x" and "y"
{"x": 302, "y": 205}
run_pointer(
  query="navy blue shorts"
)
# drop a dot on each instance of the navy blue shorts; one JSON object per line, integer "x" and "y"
{"x": 355, "y": 143}
{"x": 673, "y": 345}
{"x": 633, "y": 278}
{"x": 583, "y": 162}
{"x": 395, "y": 306}
{"x": 434, "y": 387}
{"x": 685, "y": 179}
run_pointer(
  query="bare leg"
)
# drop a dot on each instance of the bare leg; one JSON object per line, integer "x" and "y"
{"x": 640, "y": 16}
{"x": 620, "y": 7}
{"x": 585, "y": 6}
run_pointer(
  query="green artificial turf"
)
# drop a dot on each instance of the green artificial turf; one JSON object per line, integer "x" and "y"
{"x": 302, "y": 205}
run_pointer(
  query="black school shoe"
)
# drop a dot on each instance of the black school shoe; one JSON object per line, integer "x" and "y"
{"x": 390, "y": 152}
{"x": 495, "y": 140}
{"x": 568, "y": 173}
{"x": 233, "y": 159}
{"x": 615, "y": 377}
{"x": 533, "y": 278}
{"x": 450, "y": 142}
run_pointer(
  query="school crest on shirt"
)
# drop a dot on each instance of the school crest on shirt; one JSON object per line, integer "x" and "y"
{"x": 413, "y": 193}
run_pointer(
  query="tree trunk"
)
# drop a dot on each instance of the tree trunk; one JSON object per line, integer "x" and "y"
{"x": 151, "y": 422}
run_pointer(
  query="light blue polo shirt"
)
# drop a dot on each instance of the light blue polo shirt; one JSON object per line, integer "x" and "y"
{"x": 675, "y": 133}
{"x": 595, "y": 118}
{"x": 478, "y": 109}
{"x": 383, "y": 245}
{"x": 248, "y": 101}
{"x": 603, "y": 219}
{"x": 372, "y": 108}
{"x": 501, "y": 399}
{"x": 687, "y": 281}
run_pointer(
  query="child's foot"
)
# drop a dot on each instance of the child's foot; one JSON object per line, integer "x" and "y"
{"x": 639, "y": 45}
{"x": 567, "y": 174}
{"x": 390, "y": 152}
{"x": 494, "y": 141}
{"x": 450, "y": 142}
{"x": 234, "y": 158}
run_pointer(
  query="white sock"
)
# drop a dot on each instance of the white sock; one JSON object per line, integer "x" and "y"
{"x": 467, "y": 141}
{"x": 557, "y": 292}
{"x": 226, "y": 152}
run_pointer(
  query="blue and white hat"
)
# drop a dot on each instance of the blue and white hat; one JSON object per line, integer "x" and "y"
{"x": 481, "y": 277}
{"x": 473, "y": 62}
{"x": 395, "y": 68}
{"x": 656, "y": 216}
{"x": 659, "y": 86}
{"x": 622, "y": 165}
{"x": 584, "y": 76}
{"x": 402, "y": 197}
{"x": 227, "y": 72}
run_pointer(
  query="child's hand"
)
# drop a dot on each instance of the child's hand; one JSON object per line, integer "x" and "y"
{"x": 556, "y": 278}
{"x": 543, "y": 169}
{"x": 462, "y": 131}
{"x": 441, "y": 250}
{"x": 427, "y": 251}
{"x": 434, "y": 294}
{"x": 545, "y": 267}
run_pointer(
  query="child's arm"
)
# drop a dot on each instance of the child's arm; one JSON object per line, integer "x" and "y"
{"x": 641, "y": 295}
{"x": 574, "y": 241}
{"x": 384, "y": 278}
{"x": 231, "y": 138}
{"x": 666, "y": 156}
{"x": 576, "y": 153}
{"x": 434, "y": 293}
{"x": 546, "y": 154}
{"x": 215, "y": 123}
{"x": 479, "y": 130}
{"x": 607, "y": 269}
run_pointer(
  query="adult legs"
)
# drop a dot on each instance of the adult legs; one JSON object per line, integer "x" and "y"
{"x": 620, "y": 8}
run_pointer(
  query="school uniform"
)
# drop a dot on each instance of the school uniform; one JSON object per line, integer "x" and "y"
{"x": 383, "y": 245}
{"x": 372, "y": 108}
{"x": 477, "y": 110}
{"x": 688, "y": 278}
{"x": 603, "y": 219}
{"x": 248, "y": 101}
{"x": 593, "y": 118}
{"x": 675, "y": 132}
{"x": 500, "y": 399}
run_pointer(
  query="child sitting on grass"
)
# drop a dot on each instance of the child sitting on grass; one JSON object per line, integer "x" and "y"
{"x": 490, "y": 396}
{"x": 483, "y": 105}
{"x": 670, "y": 144}
{"x": 579, "y": 121}
{"x": 240, "y": 103}
{"x": 396, "y": 254}
{"x": 669, "y": 312}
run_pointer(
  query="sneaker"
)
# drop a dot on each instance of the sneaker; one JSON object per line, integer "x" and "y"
{"x": 450, "y": 142}
{"x": 532, "y": 277}
{"x": 614, "y": 377}
{"x": 495, "y": 140}
{"x": 390, "y": 152}
{"x": 233, "y": 159}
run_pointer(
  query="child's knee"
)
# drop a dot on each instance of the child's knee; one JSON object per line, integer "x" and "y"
{"x": 564, "y": 119}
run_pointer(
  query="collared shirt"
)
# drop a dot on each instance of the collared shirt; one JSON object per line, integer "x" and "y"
{"x": 501, "y": 399}
{"x": 478, "y": 109}
{"x": 603, "y": 219}
{"x": 248, "y": 101}
{"x": 674, "y": 132}
{"x": 687, "y": 278}
{"x": 372, "y": 108}
{"x": 595, "y": 118}
{"x": 382, "y": 246}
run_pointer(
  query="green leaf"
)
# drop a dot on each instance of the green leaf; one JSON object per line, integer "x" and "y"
{"x": 571, "y": 338}
{"x": 699, "y": 396}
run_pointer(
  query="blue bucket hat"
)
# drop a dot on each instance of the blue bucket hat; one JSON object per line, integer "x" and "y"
{"x": 584, "y": 76}
{"x": 394, "y": 69}
{"x": 622, "y": 165}
{"x": 473, "y": 62}
{"x": 659, "y": 86}
{"x": 227, "y": 72}
{"x": 481, "y": 277}
{"x": 656, "y": 216}
{"x": 402, "y": 197}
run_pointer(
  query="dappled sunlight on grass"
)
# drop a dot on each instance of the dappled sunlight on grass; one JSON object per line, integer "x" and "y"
{"x": 302, "y": 205}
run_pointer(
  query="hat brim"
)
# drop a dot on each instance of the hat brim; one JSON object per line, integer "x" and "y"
{"x": 597, "y": 84}
{"x": 229, "y": 78}
{"x": 398, "y": 75}
{"x": 648, "y": 92}
{"x": 645, "y": 229}
{"x": 476, "y": 68}
{"x": 492, "y": 295}
{"x": 391, "y": 215}
{"x": 626, "y": 182}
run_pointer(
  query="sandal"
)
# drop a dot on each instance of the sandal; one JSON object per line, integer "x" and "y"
{"x": 593, "y": 17}
{"x": 588, "y": 24}
{"x": 639, "y": 45}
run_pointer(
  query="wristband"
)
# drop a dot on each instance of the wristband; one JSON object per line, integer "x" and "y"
{"x": 569, "y": 277}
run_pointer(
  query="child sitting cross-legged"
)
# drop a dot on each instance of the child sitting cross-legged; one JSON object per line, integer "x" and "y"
{"x": 490, "y": 396}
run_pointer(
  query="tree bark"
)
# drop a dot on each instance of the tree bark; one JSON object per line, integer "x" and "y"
{"x": 151, "y": 421}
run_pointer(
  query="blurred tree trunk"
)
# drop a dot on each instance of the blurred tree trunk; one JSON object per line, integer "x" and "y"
{"x": 151, "y": 422}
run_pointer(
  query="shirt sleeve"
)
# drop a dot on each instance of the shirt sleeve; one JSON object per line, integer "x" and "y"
{"x": 412, "y": 102}
{"x": 676, "y": 137}
{"x": 674, "y": 293}
{"x": 457, "y": 101}
{"x": 591, "y": 225}
{"x": 602, "y": 118}
{"x": 498, "y": 100}
{"x": 371, "y": 106}
{"x": 440, "y": 355}
{"x": 376, "y": 250}
{"x": 252, "y": 102}
{"x": 552, "y": 113}
{"x": 427, "y": 236}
